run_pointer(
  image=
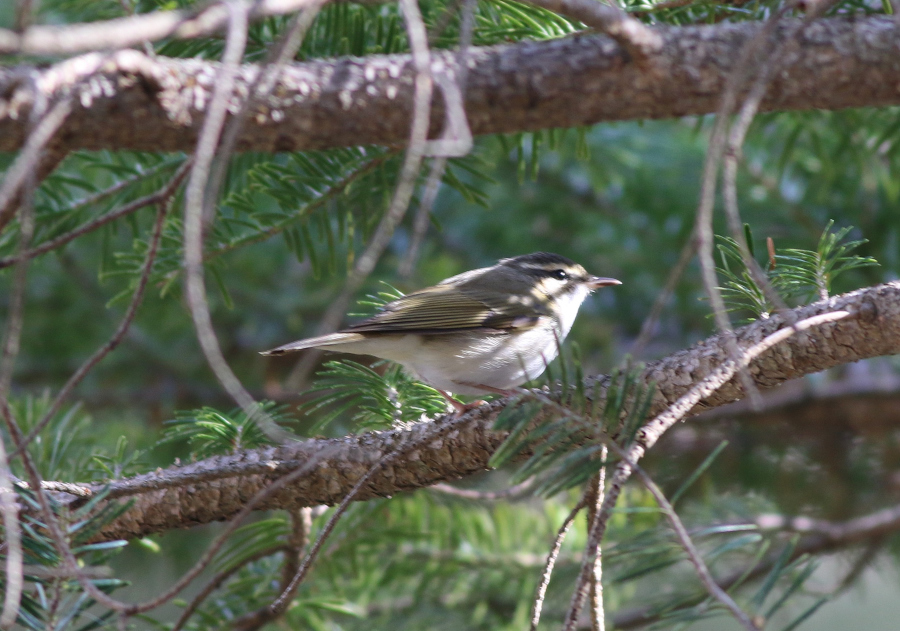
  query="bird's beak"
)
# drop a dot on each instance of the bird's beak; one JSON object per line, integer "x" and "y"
{"x": 595, "y": 282}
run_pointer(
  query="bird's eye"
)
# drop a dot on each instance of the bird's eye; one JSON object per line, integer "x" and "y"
{"x": 559, "y": 274}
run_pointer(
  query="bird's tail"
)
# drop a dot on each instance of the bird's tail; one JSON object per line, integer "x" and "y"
{"x": 323, "y": 341}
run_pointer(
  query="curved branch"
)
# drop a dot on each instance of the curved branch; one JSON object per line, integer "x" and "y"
{"x": 134, "y": 102}
{"x": 216, "y": 488}
{"x": 135, "y": 29}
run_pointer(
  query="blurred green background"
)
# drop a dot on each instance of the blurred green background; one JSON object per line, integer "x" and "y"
{"x": 618, "y": 198}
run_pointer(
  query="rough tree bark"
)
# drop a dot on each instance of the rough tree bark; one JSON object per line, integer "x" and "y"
{"x": 129, "y": 101}
{"x": 217, "y": 488}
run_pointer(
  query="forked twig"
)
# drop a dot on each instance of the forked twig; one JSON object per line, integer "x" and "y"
{"x": 162, "y": 194}
{"x": 433, "y": 433}
{"x": 218, "y": 580}
{"x": 301, "y": 521}
{"x": 737, "y": 134}
{"x": 719, "y": 146}
{"x": 651, "y": 431}
{"x": 52, "y": 523}
{"x": 117, "y": 336}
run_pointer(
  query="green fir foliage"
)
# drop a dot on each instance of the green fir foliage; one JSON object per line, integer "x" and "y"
{"x": 55, "y": 600}
{"x": 560, "y": 442}
{"x": 209, "y": 432}
{"x": 369, "y": 398}
{"x": 68, "y": 449}
{"x": 797, "y": 275}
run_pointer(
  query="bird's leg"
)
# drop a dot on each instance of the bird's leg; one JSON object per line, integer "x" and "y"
{"x": 462, "y": 408}
{"x": 459, "y": 406}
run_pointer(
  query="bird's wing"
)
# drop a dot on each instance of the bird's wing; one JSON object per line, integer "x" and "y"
{"x": 444, "y": 309}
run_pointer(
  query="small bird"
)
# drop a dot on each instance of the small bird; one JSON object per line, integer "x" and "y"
{"x": 485, "y": 330}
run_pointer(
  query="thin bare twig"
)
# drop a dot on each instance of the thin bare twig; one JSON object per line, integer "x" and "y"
{"x": 71, "y": 488}
{"x": 647, "y": 328}
{"x": 719, "y": 147}
{"x": 301, "y": 521}
{"x": 262, "y": 86}
{"x": 136, "y": 300}
{"x": 703, "y": 232}
{"x": 738, "y": 132}
{"x": 301, "y": 527}
{"x": 423, "y": 215}
{"x": 439, "y": 164}
{"x": 514, "y": 492}
{"x": 131, "y": 31}
{"x": 279, "y": 55}
{"x": 195, "y": 195}
{"x": 703, "y": 228}
{"x": 541, "y": 591}
{"x": 596, "y": 491}
{"x": 637, "y": 38}
{"x": 12, "y": 533}
{"x": 154, "y": 198}
{"x": 434, "y": 432}
{"x": 712, "y": 587}
{"x": 216, "y": 581}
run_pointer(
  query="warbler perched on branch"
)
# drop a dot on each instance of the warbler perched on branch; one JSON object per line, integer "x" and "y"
{"x": 485, "y": 330}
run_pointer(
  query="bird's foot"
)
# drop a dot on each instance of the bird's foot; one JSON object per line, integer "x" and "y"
{"x": 460, "y": 407}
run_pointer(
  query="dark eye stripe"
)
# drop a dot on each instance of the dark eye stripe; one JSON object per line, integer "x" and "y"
{"x": 557, "y": 273}
{"x": 552, "y": 272}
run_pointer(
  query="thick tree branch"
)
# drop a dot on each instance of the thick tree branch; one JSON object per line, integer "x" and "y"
{"x": 134, "y": 102}
{"x": 217, "y": 488}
